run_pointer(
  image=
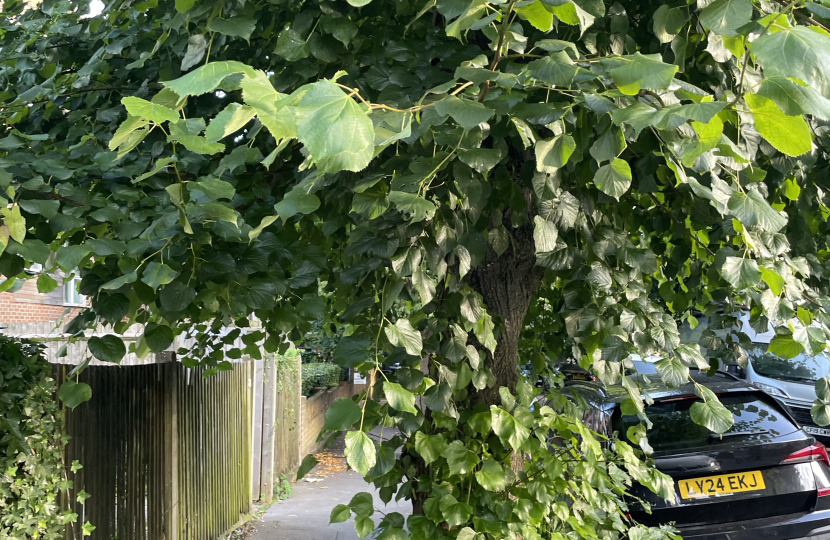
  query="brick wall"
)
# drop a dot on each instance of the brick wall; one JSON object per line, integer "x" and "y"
{"x": 28, "y": 305}
{"x": 314, "y": 415}
{"x": 12, "y": 310}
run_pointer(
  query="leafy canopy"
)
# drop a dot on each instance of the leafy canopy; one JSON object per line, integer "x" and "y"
{"x": 475, "y": 185}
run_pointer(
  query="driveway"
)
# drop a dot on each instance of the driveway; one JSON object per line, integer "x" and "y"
{"x": 305, "y": 514}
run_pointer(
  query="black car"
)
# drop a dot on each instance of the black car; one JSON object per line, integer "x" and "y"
{"x": 764, "y": 478}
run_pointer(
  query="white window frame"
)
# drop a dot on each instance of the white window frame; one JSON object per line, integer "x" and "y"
{"x": 71, "y": 296}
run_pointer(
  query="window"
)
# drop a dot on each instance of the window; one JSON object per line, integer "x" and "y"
{"x": 673, "y": 429}
{"x": 71, "y": 296}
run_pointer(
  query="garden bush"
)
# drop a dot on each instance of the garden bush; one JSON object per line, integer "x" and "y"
{"x": 32, "y": 438}
{"x": 321, "y": 375}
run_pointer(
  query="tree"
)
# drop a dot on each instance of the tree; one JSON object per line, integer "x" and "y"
{"x": 475, "y": 184}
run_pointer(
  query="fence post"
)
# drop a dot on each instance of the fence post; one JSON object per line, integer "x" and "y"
{"x": 269, "y": 398}
{"x": 256, "y": 431}
{"x": 171, "y": 456}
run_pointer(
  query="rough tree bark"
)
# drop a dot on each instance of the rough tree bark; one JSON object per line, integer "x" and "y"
{"x": 508, "y": 284}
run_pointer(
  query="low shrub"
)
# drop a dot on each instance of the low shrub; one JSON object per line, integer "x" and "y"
{"x": 321, "y": 375}
{"x": 32, "y": 437}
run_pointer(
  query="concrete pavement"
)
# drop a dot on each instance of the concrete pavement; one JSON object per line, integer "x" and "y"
{"x": 305, "y": 514}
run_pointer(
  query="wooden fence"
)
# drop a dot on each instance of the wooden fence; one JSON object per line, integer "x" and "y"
{"x": 166, "y": 453}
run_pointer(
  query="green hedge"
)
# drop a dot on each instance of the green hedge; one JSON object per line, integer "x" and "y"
{"x": 32, "y": 437}
{"x": 321, "y": 375}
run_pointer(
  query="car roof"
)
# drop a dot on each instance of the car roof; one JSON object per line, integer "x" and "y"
{"x": 654, "y": 388}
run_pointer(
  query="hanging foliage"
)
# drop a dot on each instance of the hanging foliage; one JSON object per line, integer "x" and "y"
{"x": 471, "y": 185}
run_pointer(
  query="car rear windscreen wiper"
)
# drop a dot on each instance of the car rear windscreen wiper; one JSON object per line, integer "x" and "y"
{"x": 715, "y": 436}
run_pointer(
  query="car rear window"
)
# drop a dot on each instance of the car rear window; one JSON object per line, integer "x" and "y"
{"x": 672, "y": 427}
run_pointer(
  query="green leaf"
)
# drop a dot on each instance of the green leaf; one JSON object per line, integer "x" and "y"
{"x": 364, "y": 526}
{"x": 799, "y": 53}
{"x": 73, "y": 393}
{"x": 491, "y": 476}
{"x": 536, "y": 14}
{"x": 309, "y": 462}
{"x": 509, "y": 430}
{"x": 785, "y": 346}
{"x": 157, "y": 274}
{"x": 455, "y": 513}
{"x": 341, "y": 415}
{"x": 613, "y": 179}
{"x": 430, "y": 447}
{"x": 234, "y": 27}
{"x": 126, "y": 130}
{"x": 213, "y": 188}
{"x": 112, "y": 307}
{"x": 147, "y": 110}
{"x": 46, "y": 284}
{"x": 334, "y": 128}
{"x": 362, "y": 504}
{"x": 640, "y": 72}
{"x": 184, "y": 5}
{"x": 672, "y": 371}
{"x": 609, "y": 146}
{"x": 724, "y": 17}
{"x": 197, "y": 144}
{"x": 291, "y": 45}
{"x": 401, "y": 334}
{"x": 413, "y": 205}
{"x": 69, "y": 257}
{"x": 399, "y": 398}
{"x": 557, "y": 69}
{"x": 47, "y": 209}
{"x": 823, "y": 389}
{"x": 360, "y": 452}
{"x": 741, "y": 273}
{"x": 466, "y": 112}
{"x": 460, "y": 459}
{"x": 158, "y": 337}
{"x": 667, "y": 22}
{"x": 88, "y": 528}
{"x": 773, "y": 280}
{"x": 297, "y": 201}
{"x": 553, "y": 154}
{"x": 206, "y": 78}
{"x": 339, "y": 513}
{"x": 545, "y": 235}
{"x": 259, "y": 93}
{"x": 108, "y": 348}
{"x": 230, "y": 120}
{"x": 15, "y": 222}
{"x": 753, "y": 210}
{"x": 820, "y": 412}
{"x": 176, "y": 296}
{"x": 196, "y": 48}
{"x": 711, "y": 413}
{"x": 119, "y": 282}
{"x": 480, "y": 159}
{"x": 787, "y": 134}
{"x": 794, "y": 99}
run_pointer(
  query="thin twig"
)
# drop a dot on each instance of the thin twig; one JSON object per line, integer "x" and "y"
{"x": 505, "y": 24}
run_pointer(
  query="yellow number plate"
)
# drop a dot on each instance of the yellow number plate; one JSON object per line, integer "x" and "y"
{"x": 710, "y": 486}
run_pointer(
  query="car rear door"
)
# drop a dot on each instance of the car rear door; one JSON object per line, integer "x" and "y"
{"x": 750, "y": 472}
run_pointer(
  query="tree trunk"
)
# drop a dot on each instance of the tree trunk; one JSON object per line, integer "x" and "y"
{"x": 508, "y": 284}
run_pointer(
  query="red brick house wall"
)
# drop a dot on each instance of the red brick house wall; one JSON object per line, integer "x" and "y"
{"x": 29, "y": 305}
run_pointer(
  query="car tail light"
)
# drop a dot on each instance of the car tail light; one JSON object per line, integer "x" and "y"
{"x": 817, "y": 452}
{"x": 823, "y": 492}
